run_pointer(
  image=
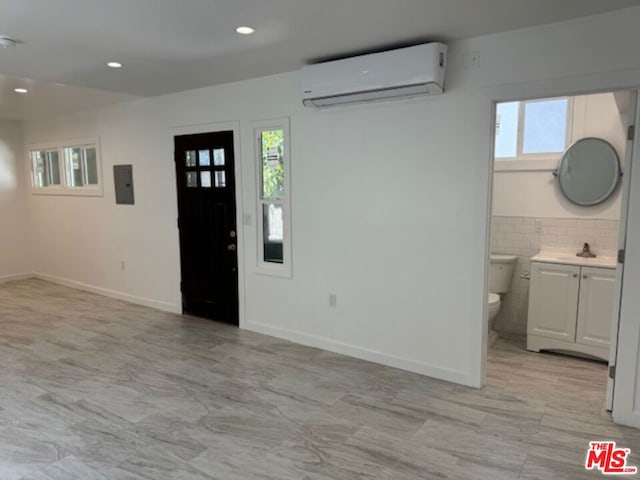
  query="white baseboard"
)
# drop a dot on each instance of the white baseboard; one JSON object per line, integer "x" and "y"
{"x": 286, "y": 334}
{"x": 361, "y": 353}
{"x": 14, "y": 277}
{"x": 147, "y": 302}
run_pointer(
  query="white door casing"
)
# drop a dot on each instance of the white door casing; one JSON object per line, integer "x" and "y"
{"x": 622, "y": 242}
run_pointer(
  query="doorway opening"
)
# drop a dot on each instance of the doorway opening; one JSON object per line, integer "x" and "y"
{"x": 205, "y": 177}
{"x": 558, "y": 220}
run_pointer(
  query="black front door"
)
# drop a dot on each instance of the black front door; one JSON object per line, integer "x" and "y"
{"x": 207, "y": 222}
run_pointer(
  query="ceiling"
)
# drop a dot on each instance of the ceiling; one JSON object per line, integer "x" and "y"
{"x": 169, "y": 45}
{"x": 49, "y": 98}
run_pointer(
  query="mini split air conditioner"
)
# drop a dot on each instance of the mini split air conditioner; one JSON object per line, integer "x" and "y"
{"x": 417, "y": 70}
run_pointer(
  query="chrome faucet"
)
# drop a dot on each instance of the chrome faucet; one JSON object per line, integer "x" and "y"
{"x": 586, "y": 252}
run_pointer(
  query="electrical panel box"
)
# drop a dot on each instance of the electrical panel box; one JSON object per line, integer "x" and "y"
{"x": 123, "y": 181}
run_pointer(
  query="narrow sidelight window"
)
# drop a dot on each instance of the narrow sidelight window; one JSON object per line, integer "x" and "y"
{"x": 272, "y": 148}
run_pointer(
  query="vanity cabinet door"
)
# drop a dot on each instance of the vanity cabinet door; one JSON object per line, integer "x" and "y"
{"x": 597, "y": 291}
{"x": 553, "y": 301}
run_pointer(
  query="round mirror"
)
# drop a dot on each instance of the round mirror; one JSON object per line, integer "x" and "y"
{"x": 589, "y": 171}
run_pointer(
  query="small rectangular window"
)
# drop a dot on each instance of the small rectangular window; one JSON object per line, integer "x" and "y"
{"x": 532, "y": 133}
{"x": 45, "y": 168}
{"x": 63, "y": 169}
{"x": 90, "y": 169}
{"x": 73, "y": 167}
{"x": 274, "y": 207}
{"x": 53, "y": 167}
{"x": 81, "y": 166}
{"x": 38, "y": 166}
{"x": 545, "y": 127}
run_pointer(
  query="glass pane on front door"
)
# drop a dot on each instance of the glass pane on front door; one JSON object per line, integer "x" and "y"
{"x": 205, "y": 158}
{"x": 192, "y": 179}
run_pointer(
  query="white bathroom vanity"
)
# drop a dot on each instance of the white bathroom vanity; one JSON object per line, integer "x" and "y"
{"x": 571, "y": 303}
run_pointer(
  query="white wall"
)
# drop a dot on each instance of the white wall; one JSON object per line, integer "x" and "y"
{"x": 353, "y": 177}
{"x": 14, "y": 221}
{"x": 87, "y": 238}
{"x": 389, "y": 201}
{"x": 537, "y": 194}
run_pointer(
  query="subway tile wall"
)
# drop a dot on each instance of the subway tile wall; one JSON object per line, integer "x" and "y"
{"x": 525, "y": 237}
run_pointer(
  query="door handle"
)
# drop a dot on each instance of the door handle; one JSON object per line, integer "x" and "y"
{"x": 231, "y": 247}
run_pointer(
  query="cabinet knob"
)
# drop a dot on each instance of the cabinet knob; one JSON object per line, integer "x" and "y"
{"x": 585, "y": 276}
{"x": 575, "y": 275}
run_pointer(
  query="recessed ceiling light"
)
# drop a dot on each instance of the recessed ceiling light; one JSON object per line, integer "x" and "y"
{"x": 20, "y": 90}
{"x": 6, "y": 42}
{"x": 114, "y": 65}
{"x": 245, "y": 30}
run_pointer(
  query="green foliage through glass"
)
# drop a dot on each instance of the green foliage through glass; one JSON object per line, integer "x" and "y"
{"x": 272, "y": 163}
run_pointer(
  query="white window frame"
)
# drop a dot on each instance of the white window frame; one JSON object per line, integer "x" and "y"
{"x": 283, "y": 269}
{"x": 63, "y": 188}
{"x": 535, "y": 161}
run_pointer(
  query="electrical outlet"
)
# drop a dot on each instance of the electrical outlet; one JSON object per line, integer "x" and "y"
{"x": 333, "y": 300}
{"x": 246, "y": 219}
{"x": 123, "y": 266}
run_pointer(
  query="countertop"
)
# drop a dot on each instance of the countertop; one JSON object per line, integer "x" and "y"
{"x": 606, "y": 259}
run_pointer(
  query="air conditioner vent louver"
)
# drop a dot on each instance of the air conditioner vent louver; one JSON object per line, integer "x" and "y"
{"x": 418, "y": 70}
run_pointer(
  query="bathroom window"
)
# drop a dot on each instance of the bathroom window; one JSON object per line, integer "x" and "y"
{"x": 274, "y": 209}
{"x": 66, "y": 168}
{"x": 532, "y": 134}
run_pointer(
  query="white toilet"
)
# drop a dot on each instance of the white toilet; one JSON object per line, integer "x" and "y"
{"x": 500, "y": 274}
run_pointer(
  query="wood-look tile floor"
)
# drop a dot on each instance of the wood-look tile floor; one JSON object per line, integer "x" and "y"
{"x": 94, "y": 388}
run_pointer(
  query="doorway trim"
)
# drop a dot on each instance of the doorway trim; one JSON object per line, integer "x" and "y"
{"x": 625, "y": 388}
{"x": 233, "y": 126}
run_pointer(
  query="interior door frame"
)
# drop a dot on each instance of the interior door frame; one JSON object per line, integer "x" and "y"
{"x": 233, "y": 126}
{"x": 629, "y": 348}
{"x": 622, "y": 242}
{"x": 625, "y": 410}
